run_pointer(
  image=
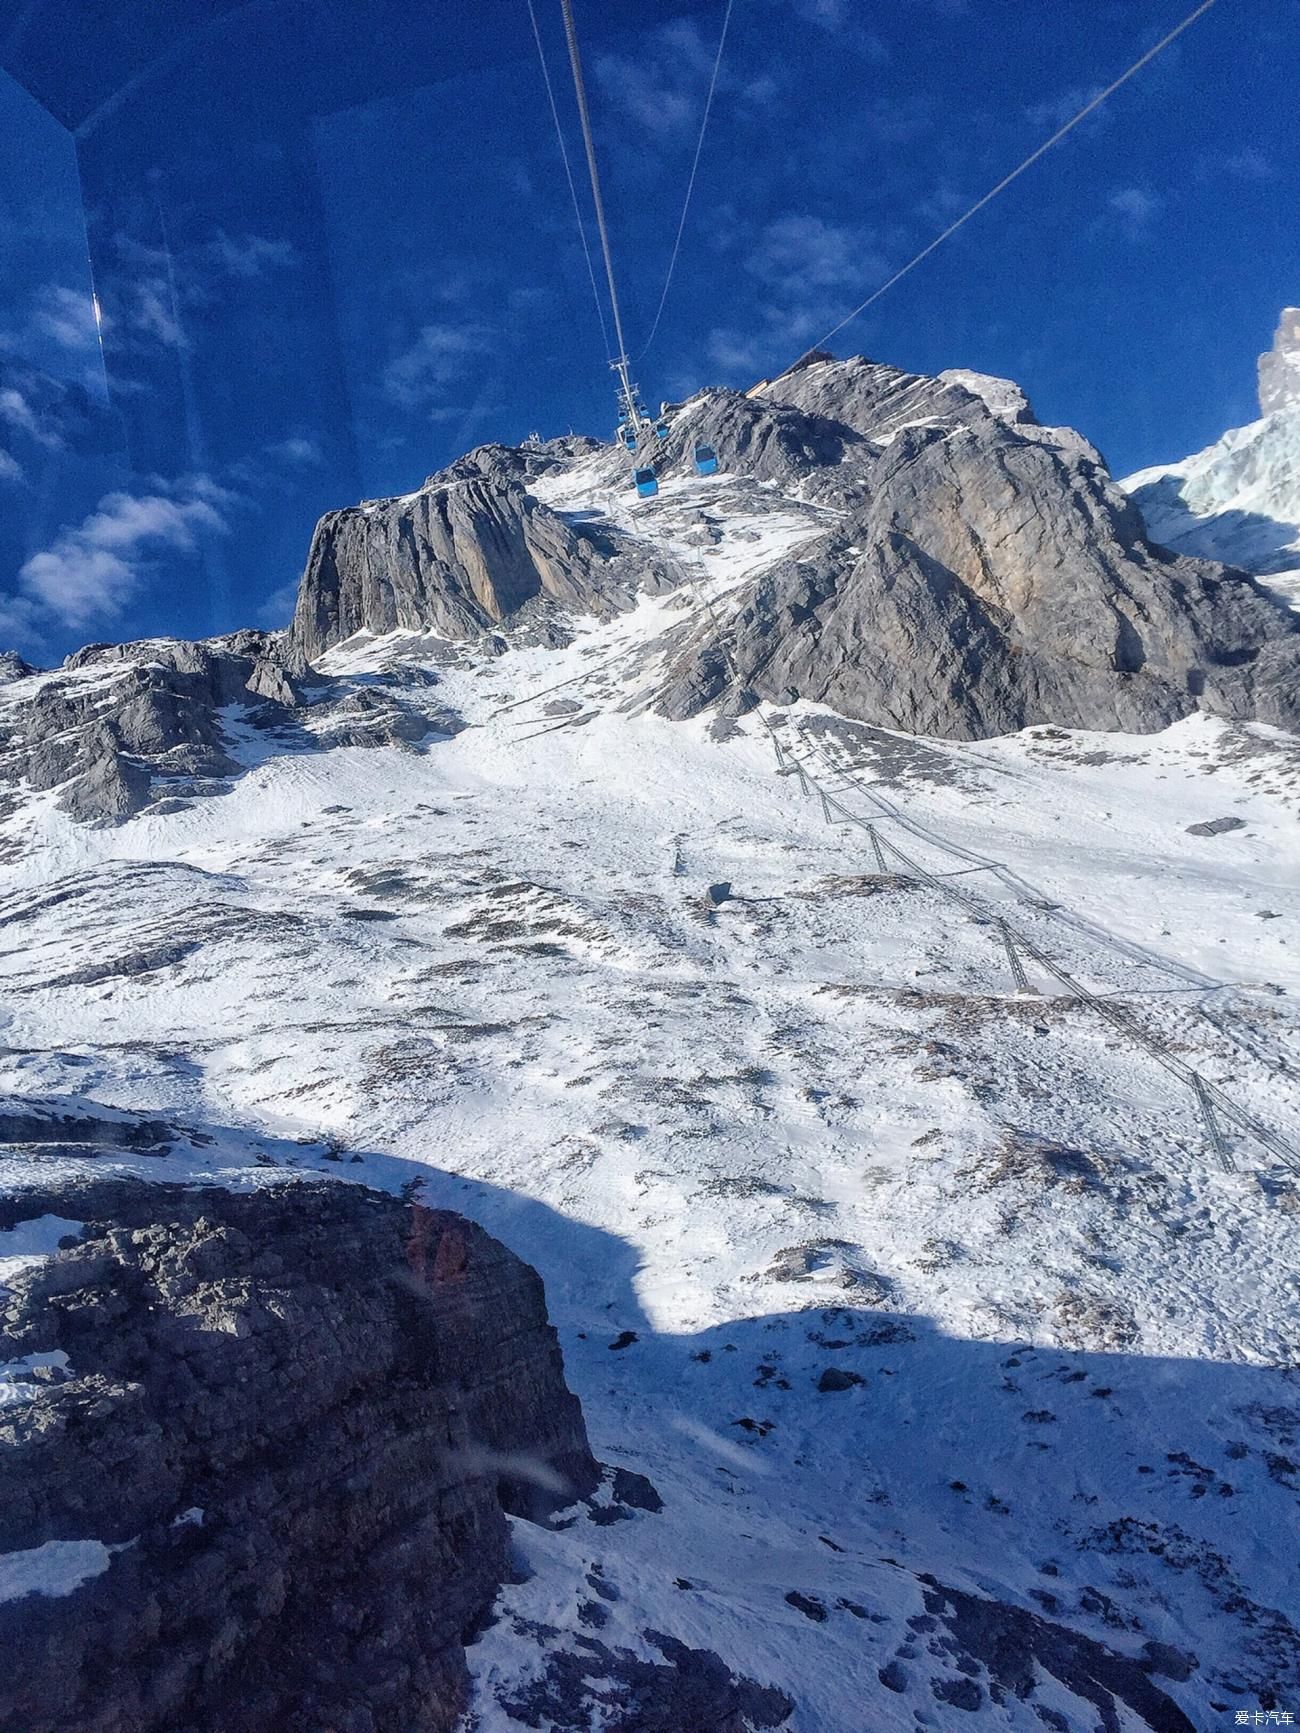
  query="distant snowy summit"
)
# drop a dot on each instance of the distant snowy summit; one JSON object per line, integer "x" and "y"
{"x": 1279, "y": 367}
{"x": 1239, "y": 499}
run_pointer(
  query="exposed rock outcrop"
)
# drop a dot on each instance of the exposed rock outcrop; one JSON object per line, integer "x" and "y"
{"x": 792, "y": 447}
{"x": 1279, "y": 367}
{"x": 466, "y": 551}
{"x": 880, "y": 402}
{"x": 1019, "y": 1650}
{"x": 991, "y": 576}
{"x": 688, "y": 1689}
{"x": 12, "y": 667}
{"x": 120, "y": 715}
{"x": 257, "y": 1456}
{"x": 987, "y": 573}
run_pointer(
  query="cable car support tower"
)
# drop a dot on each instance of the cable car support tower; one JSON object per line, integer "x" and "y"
{"x": 635, "y": 425}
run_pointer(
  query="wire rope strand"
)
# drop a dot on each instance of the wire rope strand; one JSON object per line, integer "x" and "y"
{"x": 1087, "y": 109}
{"x": 568, "y": 175}
{"x": 580, "y": 91}
{"x": 690, "y": 184}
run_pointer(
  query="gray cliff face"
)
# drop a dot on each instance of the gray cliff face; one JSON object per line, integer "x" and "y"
{"x": 874, "y": 399}
{"x": 467, "y": 551}
{"x": 293, "y": 1417}
{"x": 991, "y": 576}
{"x": 987, "y": 573}
{"x": 153, "y": 713}
{"x": 126, "y": 728}
{"x": 880, "y": 402}
{"x": 1279, "y": 367}
{"x": 796, "y": 448}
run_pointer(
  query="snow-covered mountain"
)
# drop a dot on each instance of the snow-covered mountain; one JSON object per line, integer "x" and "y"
{"x": 905, "y": 1127}
{"x": 1279, "y": 367}
{"x": 1239, "y": 499}
{"x": 974, "y": 572}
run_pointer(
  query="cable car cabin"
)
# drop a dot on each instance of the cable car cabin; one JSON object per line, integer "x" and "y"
{"x": 628, "y": 436}
{"x": 646, "y": 483}
{"x": 661, "y": 430}
{"x": 706, "y": 460}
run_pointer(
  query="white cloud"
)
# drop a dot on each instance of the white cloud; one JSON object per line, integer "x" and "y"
{"x": 17, "y": 413}
{"x": 1137, "y": 207}
{"x": 831, "y": 13}
{"x": 735, "y": 352}
{"x": 662, "y": 89}
{"x": 18, "y": 622}
{"x": 1051, "y": 115}
{"x": 68, "y": 316}
{"x": 796, "y": 253}
{"x": 811, "y": 270}
{"x": 10, "y": 468}
{"x": 1250, "y": 165}
{"x": 147, "y": 298}
{"x": 306, "y": 452}
{"x": 438, "y": 357}
{"x": 151, "y": 310}
{"x": 92, "y": 571}
{"x": 277, "y": 610}
{"x": 843, "y": 18}
{"x": 249, "y": 256}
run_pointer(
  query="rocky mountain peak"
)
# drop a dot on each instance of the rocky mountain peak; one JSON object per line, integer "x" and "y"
{"x": 1279, "y": 367}
{"x": 919, "y": 553}
{"x": 1238, "y": 500}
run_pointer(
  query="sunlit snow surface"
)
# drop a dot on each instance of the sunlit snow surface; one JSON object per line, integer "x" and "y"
{"x": 809, "y": 1126}
{"x": 57, "y": 1568}
{"x": 30, "y": 1241}
{"x": 1238, "y": 500}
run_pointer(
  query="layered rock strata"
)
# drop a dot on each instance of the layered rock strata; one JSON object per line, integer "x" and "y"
{"x": 119, "y": 716}
{"x": 467, "y": 551}
{"x": 257, "y": 1455}
{"x": 986, "y": 574}
{"x": 990, "y": 576}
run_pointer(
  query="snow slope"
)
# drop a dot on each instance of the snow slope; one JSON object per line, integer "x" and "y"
{"x": 1237, "y": 501}
{"x": 802, "y": 1124}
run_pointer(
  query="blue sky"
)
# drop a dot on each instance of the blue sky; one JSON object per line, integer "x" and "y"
{"x": 294, "y": 317}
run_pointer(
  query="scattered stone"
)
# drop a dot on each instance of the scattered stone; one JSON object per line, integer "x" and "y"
{"x": 690, "y": 1691}
{"x": 635, "y": 1491}
{"x": 1216, "y": 826}
{"x": 958, "y": 1693}
{"x": 836, "y": 1378}
{"x": 1012, "y": 1644}
{"x": 808, "y": 1605}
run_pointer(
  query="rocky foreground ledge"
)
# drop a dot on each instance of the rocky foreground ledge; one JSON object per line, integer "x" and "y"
{"x": 256, "y": 1453}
